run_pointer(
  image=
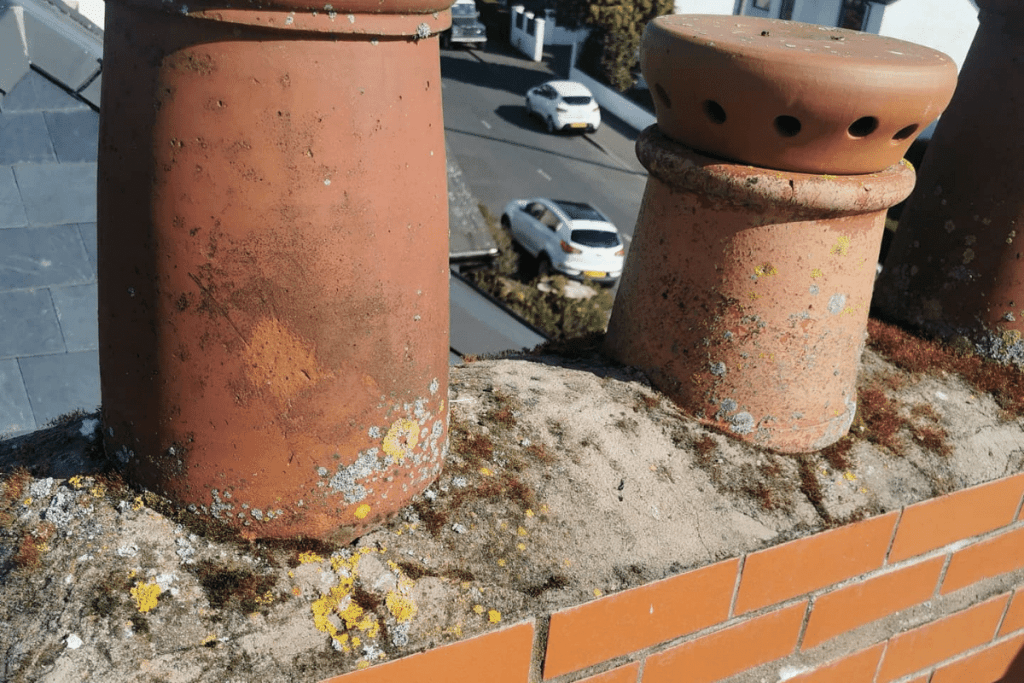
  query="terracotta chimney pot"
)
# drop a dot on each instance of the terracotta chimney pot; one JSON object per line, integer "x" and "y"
{"x": 955, "y": 269}
{"x": 746, "y": 289}
{"x": 273, "y": 258}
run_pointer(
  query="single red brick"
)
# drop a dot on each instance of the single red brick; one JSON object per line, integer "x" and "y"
{"x": 624, "y": 674}
{"x": 873, "y": 598}
{"x": 640, "y": 617}
{"x": 941, "y": 521}
{"x": 497, "y": 657}
{"x": 1000, "y": 663}
{"x": 786, "y": 571}
{"x": 1014, "y": 619}
{"x": 998, "y": 555}
{"x": 729, "y": 651}
{"x": 932, "y": 643}
{"x": 859, "y": 667}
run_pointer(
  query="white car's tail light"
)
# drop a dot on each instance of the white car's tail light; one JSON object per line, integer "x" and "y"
{"x": 568, "y": 248}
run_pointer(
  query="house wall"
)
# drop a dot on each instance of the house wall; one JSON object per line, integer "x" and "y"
{"x": 933, "y": 590}
{"x": 705, "y": 6}
{"x": 527, "y": 33}
{"x": 945, "y": 25}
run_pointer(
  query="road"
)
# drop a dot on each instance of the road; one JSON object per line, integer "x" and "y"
{"x": 506, "y": 155}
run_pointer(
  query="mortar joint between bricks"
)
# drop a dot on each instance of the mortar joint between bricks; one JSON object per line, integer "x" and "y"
{"x": 736, "y": 587}
{"x": 892, "y": 539}
{"x": 803, "y": 624}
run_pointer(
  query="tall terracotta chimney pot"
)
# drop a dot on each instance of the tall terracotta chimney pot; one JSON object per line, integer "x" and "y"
{"x": 273, "y": 258}
{"x": 955, "y": 269}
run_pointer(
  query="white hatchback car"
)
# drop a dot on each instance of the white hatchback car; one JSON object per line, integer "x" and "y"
{"x": 572, "y": 238}
{"x": 564, "y": 104}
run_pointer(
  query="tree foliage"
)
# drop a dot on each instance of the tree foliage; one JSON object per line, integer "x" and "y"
{"x": 617, "y": 28}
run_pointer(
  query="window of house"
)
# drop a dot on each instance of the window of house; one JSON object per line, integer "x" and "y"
{"x": 765, "y": 5}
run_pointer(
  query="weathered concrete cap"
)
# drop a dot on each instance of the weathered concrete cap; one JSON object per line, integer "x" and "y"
{"x": 792, "y": 96}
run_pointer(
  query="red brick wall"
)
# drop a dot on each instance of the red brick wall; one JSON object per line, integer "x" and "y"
{"x": 924, "y": 595}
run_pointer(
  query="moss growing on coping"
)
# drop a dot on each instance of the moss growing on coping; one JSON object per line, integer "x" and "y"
{"x": 916, "y": 355}
{"x": 878, "y": 419}
{"x": 13, "y": 494}
{"x": 234, "y": 586}
{"x": 838, "y": 454}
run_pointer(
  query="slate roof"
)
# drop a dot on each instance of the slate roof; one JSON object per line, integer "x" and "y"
{"x": 50, "y": 73}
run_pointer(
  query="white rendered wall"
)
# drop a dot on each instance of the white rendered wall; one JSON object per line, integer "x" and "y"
{"x": 945, "y": 25}
{"x": 705, "y": 6}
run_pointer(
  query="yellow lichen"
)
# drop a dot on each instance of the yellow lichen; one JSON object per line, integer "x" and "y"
{"x": 362, "y": 511}
{"x": 815, "y": 273}
{"x": 521, "y": 531}
{"x": 265, "y": 599}
{"x": 77, "y": 482}
{"x": 309, "y": 557}
{"x": 137, "y": 503}
{"x": 26, "y": 502}
{"x": 529, "y": 512}
{"x": 598, "y": 592}
{"x": 145, "y": 595}
{"x": 209, "y": 639}
{"x": 486, "y": 471}
{"x": 493, "y": 616}
{"x": 401, "y": 438}
{"x": 479, "y": 609}
{"x": 362, "y": 664}
{"x": 842, "y": 246}
{"x": 501, "y": 561}
{"x": 521, "y": 546}
{"x": 402, "y": 607}
{"x": 765, "y": 270}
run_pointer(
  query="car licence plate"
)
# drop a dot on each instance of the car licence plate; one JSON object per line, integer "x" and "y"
{"x": 577, "y": 125}
{"x": 594, "y": 273}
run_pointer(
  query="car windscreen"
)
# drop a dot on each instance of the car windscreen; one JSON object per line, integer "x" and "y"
{"x": 576, "y": 99}
{"x": 578, "y": 211}
{"x": 595, "y": 238}
{"x": 463, "y": 10}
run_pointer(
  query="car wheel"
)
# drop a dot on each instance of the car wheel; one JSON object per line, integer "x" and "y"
{"x": 551, "y": 125}
{"x": 544, "y": 268}
{"x": 529, "y": 107}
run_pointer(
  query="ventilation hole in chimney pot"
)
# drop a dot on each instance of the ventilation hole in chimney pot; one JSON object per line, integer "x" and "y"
{"x": 714, "y": 111}
{"x": 863, "y": 127}
{"x": 905, "y": 132}
{"x": 787, "y": 126}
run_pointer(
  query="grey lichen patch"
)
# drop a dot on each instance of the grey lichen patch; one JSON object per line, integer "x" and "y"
{"x": 741, "y": 423}
{"x": 718, "y": 369}
{"x": 346, "y": 480}
{"x": 814, "y": 290}
{"x": 1004, "y": 347}
{"x": 836, "y": 303}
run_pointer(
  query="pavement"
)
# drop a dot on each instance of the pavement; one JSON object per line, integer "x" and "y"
{"x": 50, "y": 74}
